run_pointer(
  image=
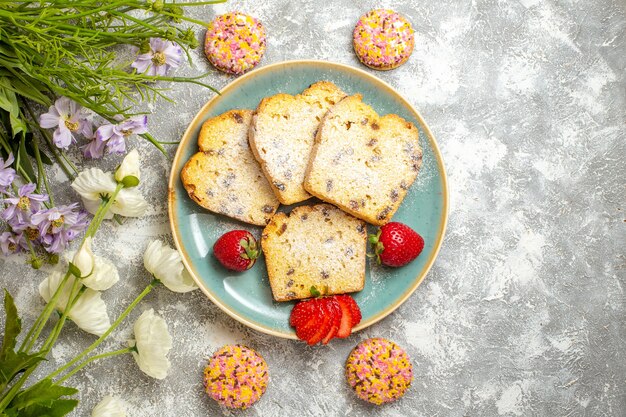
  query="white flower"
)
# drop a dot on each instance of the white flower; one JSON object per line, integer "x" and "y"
{"x": 89, "y": 312}
{"x": 109, "y": 407}
{"x": 93, "y": 182}
{"x": 153, "y": 342}
{"x": 84, "y": 259}
{"x": 103, "y": 272}
{"x": 165, "y": 264}
{"x": 104, "y": 275}
{"x": 129, "y": 169}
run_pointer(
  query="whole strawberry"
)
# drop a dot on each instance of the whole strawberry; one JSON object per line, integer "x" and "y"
{"x": 396, "y": 244}
{"x": 236, "y": 250}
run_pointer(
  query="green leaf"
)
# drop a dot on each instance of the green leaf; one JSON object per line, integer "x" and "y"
{"x": 31, "y": 151}
{"x": 24, "y": 161}
{"x": 11, "y": 363}
{"x": 16, "y": 363}
{"x": 12, "y": 326}
{"x": 59, "y": 409}
{"x": 8, "y": 100}
{"x": 46, "y": 394}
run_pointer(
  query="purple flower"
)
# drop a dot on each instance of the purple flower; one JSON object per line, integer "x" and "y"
{"x": 115, "y": 135}
{"x": 68, "y": 117}
{"x": 94, "y": 149}
{"x": 20, "y": 208}
{"x": 59, "y": 225}
{"x": 7, "y": 175}
{"x": 12, "y": 242}
{"x": 162, "y": 56}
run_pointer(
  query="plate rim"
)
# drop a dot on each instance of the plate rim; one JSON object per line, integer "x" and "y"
{"x": 233, "y": 84}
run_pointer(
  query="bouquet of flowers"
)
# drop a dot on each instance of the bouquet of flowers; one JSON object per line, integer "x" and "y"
{"x": 62, "y": 55}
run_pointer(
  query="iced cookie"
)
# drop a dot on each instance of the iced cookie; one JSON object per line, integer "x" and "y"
{"x": 236, "y": 376}
{"x": 383, "y": 39}
{"x": 235, "y": 42}
{"x": 379, "y": 371}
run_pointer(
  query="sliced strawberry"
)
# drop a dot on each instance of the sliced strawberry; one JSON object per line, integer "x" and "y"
{"x": 327, "y": 322}
{"x": 355, "y": 311}
{"x": 302, "y": 313}
{"x": 307, "y": 317}
{"x": 345, "y": 327}
{"x": 336, "y": 314}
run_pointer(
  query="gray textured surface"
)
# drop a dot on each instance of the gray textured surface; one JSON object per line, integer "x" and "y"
{"x": 524, "y": 310}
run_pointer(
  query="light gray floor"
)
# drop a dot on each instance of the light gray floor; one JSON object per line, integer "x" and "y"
{"x": 523, "y": 311}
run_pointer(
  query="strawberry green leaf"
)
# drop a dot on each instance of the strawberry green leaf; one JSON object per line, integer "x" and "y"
{"x": 314, "y": 291}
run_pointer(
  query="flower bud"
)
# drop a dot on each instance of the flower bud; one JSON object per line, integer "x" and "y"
{"x": 84, "y": 259}
{"x": 157, "y": 5}
{"x": 128, "y": 171}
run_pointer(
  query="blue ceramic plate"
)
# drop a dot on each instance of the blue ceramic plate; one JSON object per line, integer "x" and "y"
{"x": 247, "y": 296}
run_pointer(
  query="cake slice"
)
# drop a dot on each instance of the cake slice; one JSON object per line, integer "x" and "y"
{"x": 363, "y": 163}
{"x": 224, "y": 177}
{"x": 318, "y": 246}
{"x": 282, "y": 133}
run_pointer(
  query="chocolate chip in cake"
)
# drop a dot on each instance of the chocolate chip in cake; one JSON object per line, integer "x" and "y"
{"x": 354, "y": 205}
{"x": 288, "y": 175}
{"x": 404, "y": 185}
{"x": 324, "y": 274}
{"x": 279, "y": 185}
{"x": 360, "y": 228}
{"x": 375, "y": 126}
{"x": 267, "y": 209}
{"x": 325, "y": 212}
{"x": 291, "y": 294}
{"x": 394, "y": 195}
{"x": 283, "y": 228}
{"x": 364, "y": 121}
{"x": 329, "y": 185}
{"x": 304, "y": 217}
{"x": 372, "y": 142}
{"x": 210, "y": 193}
{"x": 290, "y": 271}
{"x": 228, "y": 181}
{"x": 383, "y": 214}
{"x": 237, "y": 117}
{"x": 289, "y": 283}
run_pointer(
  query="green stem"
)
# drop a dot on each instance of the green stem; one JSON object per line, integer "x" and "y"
{"x": 117, "y": 322}
{"x": 94, "y": 358}
{"x": 41, "y": 321}
{"x": 41, "y": 173}
{"x": 101, "y": 212}
{"x": 155, "y": 142}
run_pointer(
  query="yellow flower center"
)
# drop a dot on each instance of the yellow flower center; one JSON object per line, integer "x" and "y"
{"x": 23, "y": 204}
{"x": 126, "y": 132}
{"x": 73, "y": 126}
{"x": 12, "y": 247}
{"x": 58, "y": 222}
{"x": 158, "y": 58}
{"x": 32, "y": 233}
